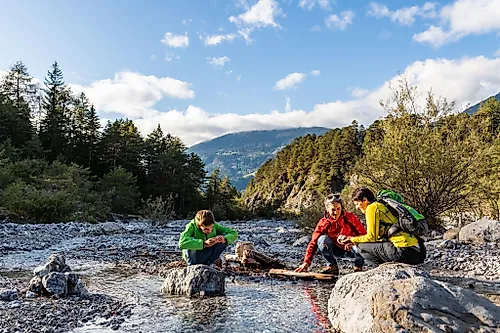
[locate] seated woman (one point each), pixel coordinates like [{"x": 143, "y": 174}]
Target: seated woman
[
  {"x": 375, "y": 246},
  {"x": 336, "y": 222}
]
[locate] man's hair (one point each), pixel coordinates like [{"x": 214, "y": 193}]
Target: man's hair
[
  {"x": 205, "y": 217},
  {"x": 362, "y": 193}
]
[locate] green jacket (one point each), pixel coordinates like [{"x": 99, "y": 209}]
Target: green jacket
[{"x": 192, "y": 237}]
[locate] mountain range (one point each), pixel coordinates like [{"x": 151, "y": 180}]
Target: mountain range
[
  {"x": 239, "y": 155},
  {"x": 473, "y": 109}
]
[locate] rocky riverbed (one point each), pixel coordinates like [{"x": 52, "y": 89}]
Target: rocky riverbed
[{"x": 119, "y": 264}]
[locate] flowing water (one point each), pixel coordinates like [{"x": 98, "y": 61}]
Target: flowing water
[{"x": 250, "y": 305}]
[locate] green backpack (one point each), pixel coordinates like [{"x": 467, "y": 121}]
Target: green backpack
[{"x": 409, "y": 220}]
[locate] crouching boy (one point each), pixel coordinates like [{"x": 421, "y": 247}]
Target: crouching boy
[{"x": 204, "y": 240}]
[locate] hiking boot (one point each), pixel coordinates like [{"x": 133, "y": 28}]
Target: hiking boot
[
  {"x": 218, "y": 263},
  {"x": 333, "y": 270}
]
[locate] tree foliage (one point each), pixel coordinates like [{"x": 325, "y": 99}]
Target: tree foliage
[{"x": 99, "y": 171}]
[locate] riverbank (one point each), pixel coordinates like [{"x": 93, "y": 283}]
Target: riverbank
[{"x": 120, "y": 261}]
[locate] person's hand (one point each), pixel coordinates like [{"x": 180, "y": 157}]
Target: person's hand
[
  {"x": 349, "y": 246},
  {"x": 302, "y": 268},
  {"x": 210, "y": 242},
  {"x": 220, "y": 239},
  {"x": 343, "y": 239}
]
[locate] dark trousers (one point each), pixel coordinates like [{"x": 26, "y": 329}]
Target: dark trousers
[
  {"x": 206, "y": 256},
  {"x": 329, "y": 251},
  {"x": 381, "y": 252}
]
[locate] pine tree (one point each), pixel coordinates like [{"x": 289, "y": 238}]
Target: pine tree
[
  {"x": 56, "y": 103},
  {"x": 92, "y": 128},
  {"x": 17, "y": 86},
  {"x": 78, "y": 151},
  {"x": 122, "y": 145}
]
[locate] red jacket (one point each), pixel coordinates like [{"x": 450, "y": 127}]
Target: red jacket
[{"x": 347, "y": 224}]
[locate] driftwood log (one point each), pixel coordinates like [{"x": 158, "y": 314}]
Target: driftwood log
[
  {"x": 302, "y": 275},
  {"x": 247, "y": 256}
]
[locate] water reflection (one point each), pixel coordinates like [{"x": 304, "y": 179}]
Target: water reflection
[
  {"x": 318, "y": 297},
  {"x": 263, "y": 306}
]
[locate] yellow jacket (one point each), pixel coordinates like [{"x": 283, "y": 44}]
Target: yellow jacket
[{"x": 378, "y": 220}]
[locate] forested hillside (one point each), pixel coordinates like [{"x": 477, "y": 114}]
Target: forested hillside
[{"x": 442, "y": 161}]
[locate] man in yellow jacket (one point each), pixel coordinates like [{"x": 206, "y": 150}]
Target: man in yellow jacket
[{"x": 375, "y": 246}]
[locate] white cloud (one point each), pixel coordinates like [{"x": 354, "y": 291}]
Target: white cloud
[
  {"x": 309, "y": 4},
  {"x": 340, "y": 22},
  {"x": 169, "y": 56},
  {"x": 218, "y": 62},
  {"x": 238, "y": 78},
  {"x": 153, "y": 57},
  {"x": 404, "y": 16},
  {"x": 288, "y": 104},
  {"x": 133, "y": 94},
  {"x": 316, "y": 28},
  {"x": 261, "y": 15},
  {"x": 358, "y": 92},
  {"x": 217, "y": 39},
  {"x": 187, "y": 22},
  {"x": 315, "y": 72},
  {"x": 176, "y": 41},
  {"x": 497, "y": 53},
  {"x": 290, "y": 81},
  {"x": 466, "y": 80},
  {"x": 460, "y": 19}
]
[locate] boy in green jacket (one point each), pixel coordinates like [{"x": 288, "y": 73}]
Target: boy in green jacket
[{"x": 204, "y": 240}]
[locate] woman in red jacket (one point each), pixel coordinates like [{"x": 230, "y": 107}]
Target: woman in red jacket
[{"x": 336, "y": 222}]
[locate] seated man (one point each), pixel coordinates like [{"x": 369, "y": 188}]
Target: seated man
[
  {"x": 204, "y": 240},
  {"x": 336, "y": 222},
  {"x": 375, "y": 246}
]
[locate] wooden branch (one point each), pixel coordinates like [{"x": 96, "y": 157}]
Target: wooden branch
[{"x": 301, "y": 275}]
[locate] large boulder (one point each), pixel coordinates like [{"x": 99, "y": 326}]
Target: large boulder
[
  {"x": 56, "y": 284},
  {"x": 35, "y": 285},
  {"x": 402, "y": 298},
  {"x": 56, "y": 279},
  {"x": 196, "y": 280},
  {"x": 451, "y": 234},
  {"x": 349, "y": 306},
  {"x": 480, "y": 232},
  {"x": 425, "y": 305},
  {"x": 75, "y": 285},
  {"x": 56, "y": 263}
]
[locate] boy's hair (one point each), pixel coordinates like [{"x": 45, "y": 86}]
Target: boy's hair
[
  {"x": 205, "y": 217},
  {"x": 362, "y": 193}
]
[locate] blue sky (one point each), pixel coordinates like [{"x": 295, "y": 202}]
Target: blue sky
[{"x": 205, "y": 68}]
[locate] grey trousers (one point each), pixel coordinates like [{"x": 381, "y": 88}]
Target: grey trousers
[{"x": 381, "y": 252}]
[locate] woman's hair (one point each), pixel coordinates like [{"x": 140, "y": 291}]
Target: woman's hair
[
  {"x": 205, "y": 218},
  {"x": 362, "y": 193},
  {"x": 331, "y": 198}
]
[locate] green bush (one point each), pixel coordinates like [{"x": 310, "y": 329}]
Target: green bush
[
  {"x": 35, "y": 191},
  {"x": 160, "y": 210},
  {"x": 120, "y": 187},
  {"x": 38, "y": 205}
]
